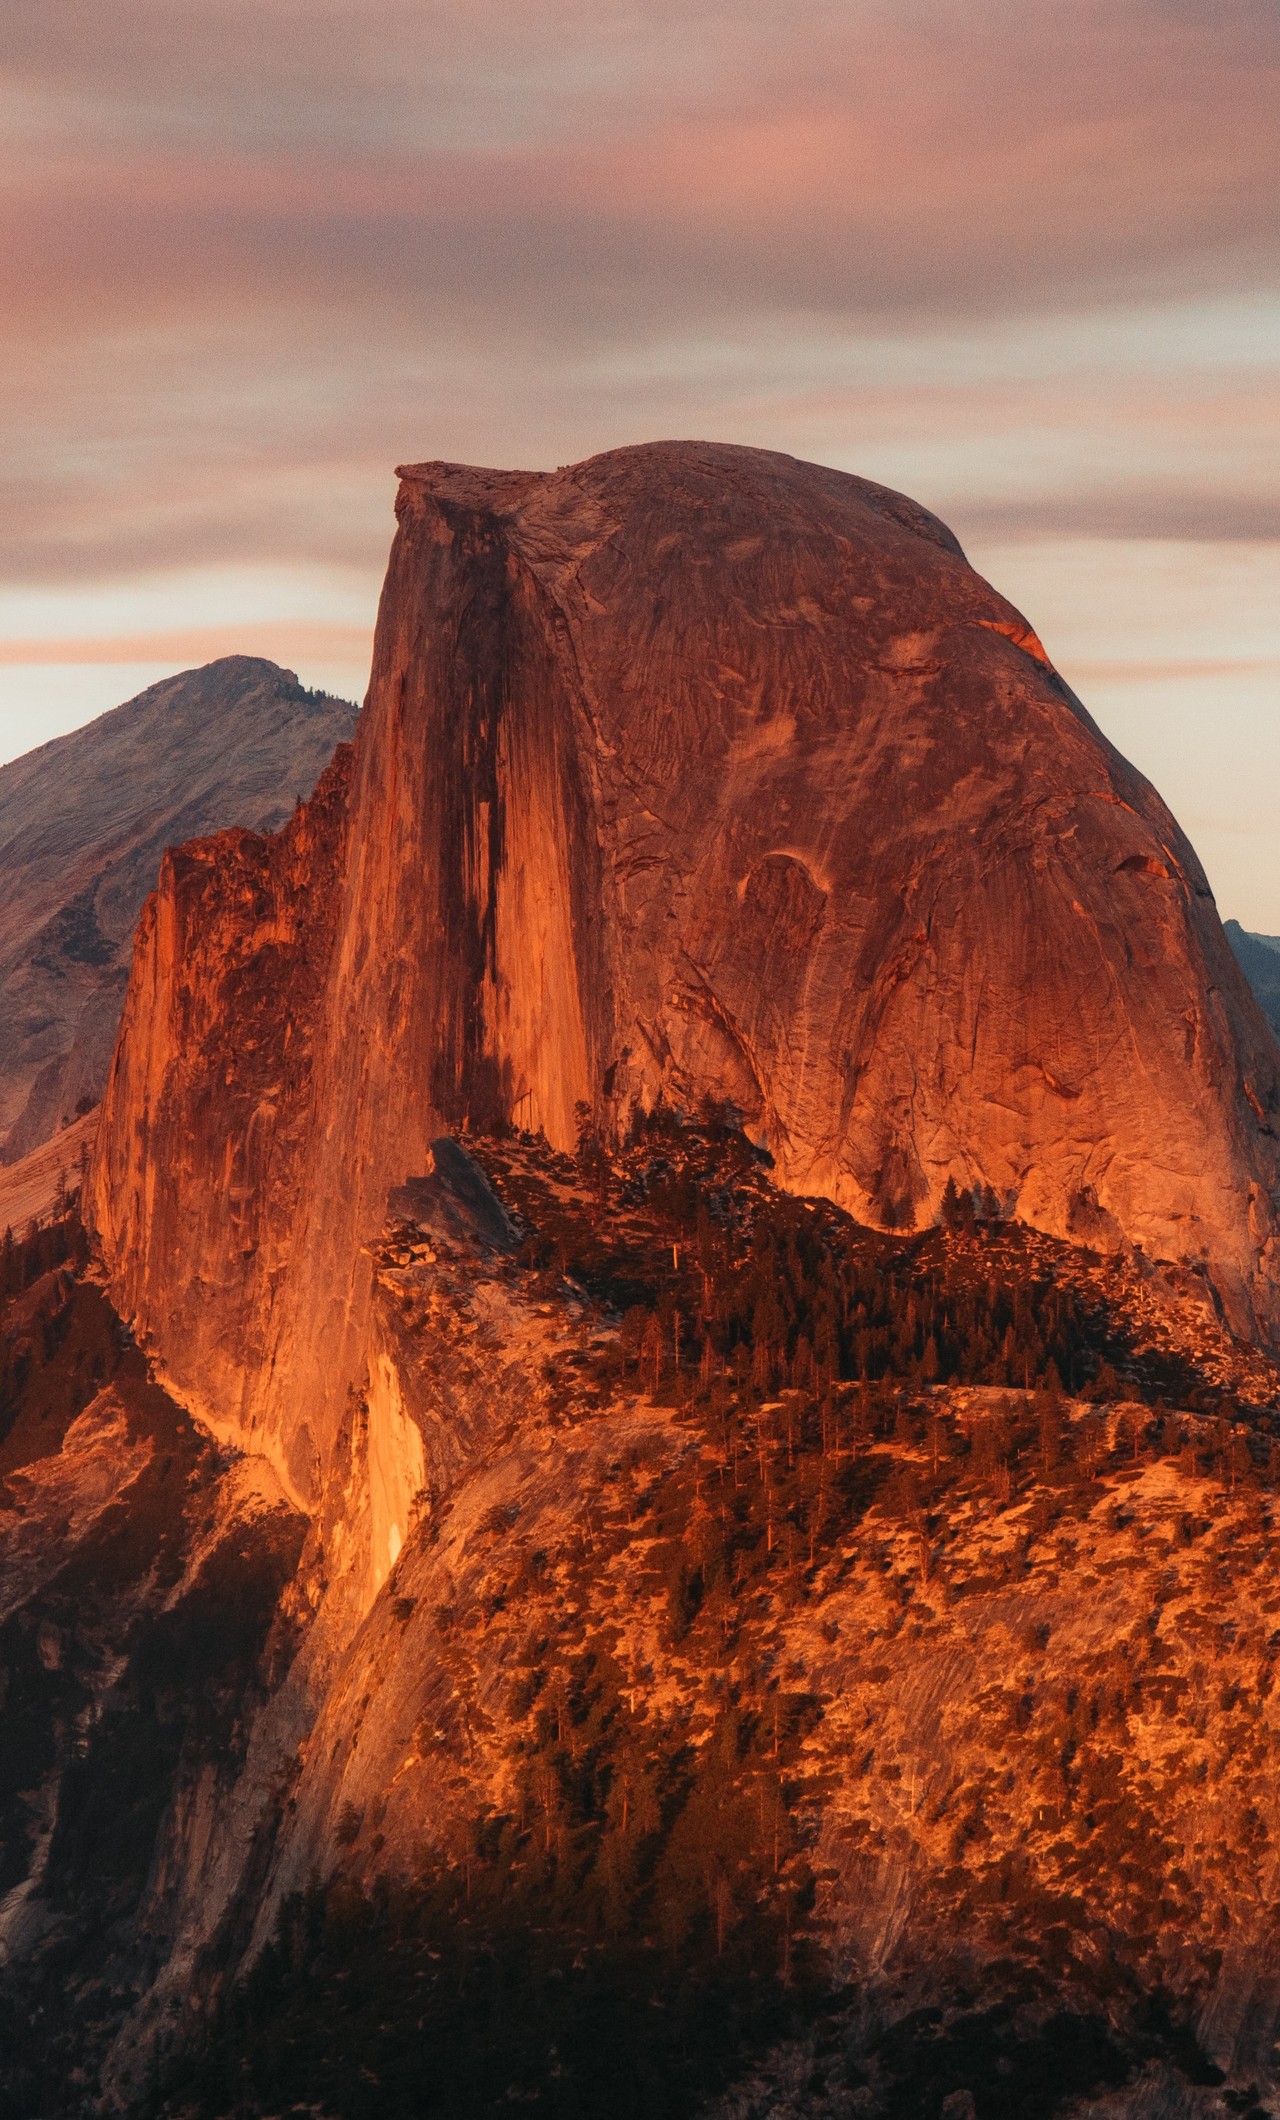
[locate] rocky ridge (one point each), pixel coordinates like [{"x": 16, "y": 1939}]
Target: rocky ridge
[
  {"x": 139, "y": 1573},
  {"x": 947, "y": 1693},
  {"x": 694, "y": 770},
  {"x": 84, "y": 821},
  {"x": 1259, "y": 959},
  {"x": 722, "y": 1170},
  {"x": 38, "y": 1186},
  {"x": 915, "y": 1728}
]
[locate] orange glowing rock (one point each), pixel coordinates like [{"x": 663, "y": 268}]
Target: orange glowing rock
[{"x": 688, "y": 769}]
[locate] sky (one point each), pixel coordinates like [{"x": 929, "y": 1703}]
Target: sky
[{"x": 1019, "y": 260}]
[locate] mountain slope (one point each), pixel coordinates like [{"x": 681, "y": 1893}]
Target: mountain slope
[
  {"x": 83, "y": 823},
  {"x": 726, "y": 1665},
  {"x": 1259, "y": 959},
  {"x": 883, "y": 1741},
  {"x": 40, "y": 1183},
  {"x": 689, "y": 769},
  {"x": 739, "y": 1649}
]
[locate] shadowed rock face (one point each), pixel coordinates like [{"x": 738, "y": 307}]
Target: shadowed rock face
[
  {"x": 1259, "y": 959},
  {"x": 690, "y": 769},
  {"x": 83, "y": 823}
]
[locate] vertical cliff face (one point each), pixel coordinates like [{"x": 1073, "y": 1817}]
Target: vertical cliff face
[
  {"x": 209, "y": 1112},
  {"x": 689, "y": 769},
  {"x": 84, "y": 821}
]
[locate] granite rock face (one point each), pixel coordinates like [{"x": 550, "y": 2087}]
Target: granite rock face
[
  {"x": 83, "y": 823},
  {"x": 688, "y": 770},
  {"x": 211, "y": 1108},
  {"x": 623, "y": 1665}
]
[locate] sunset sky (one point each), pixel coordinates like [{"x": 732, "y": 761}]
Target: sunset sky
[{"x": 1017, "y": 259}]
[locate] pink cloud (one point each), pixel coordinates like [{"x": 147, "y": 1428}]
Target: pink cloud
[
  {"x": 287, "y": 641},
  {"x": 257, "y": 252}
]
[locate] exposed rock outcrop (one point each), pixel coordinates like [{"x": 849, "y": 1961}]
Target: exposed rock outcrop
[
  {"x": 950, "y": 1712},
  {"x": 214, "y": 1112},
  {"x": 140, "y": 1574},
  {"x": 689, "y": 769},
  {"x": 84, "y": 821}
]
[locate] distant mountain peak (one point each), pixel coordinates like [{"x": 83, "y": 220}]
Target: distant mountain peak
[
  {"x": 1259, "y": 959},
  {"x": 84, "y": 821}
]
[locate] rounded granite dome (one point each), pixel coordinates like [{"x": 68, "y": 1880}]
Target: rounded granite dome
[{"x": 693, "y": 770}]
